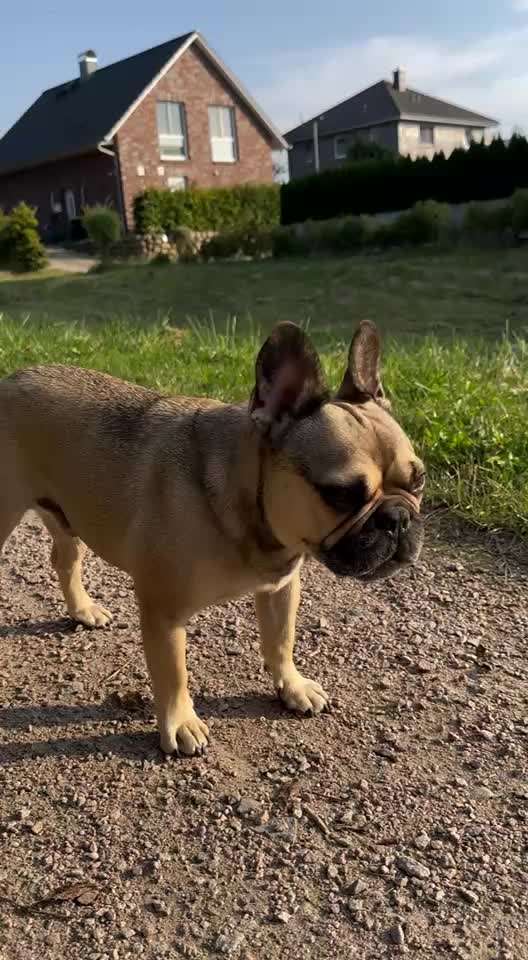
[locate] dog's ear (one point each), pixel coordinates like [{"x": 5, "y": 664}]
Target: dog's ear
[
  {"x": 289, "y": 379},
  {"x": 362, "y": 381}
]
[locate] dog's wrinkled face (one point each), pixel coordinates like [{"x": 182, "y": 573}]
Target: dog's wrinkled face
[{"x": 330, "y": 458}]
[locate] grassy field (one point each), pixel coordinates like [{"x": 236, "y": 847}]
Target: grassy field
[
  {"x": 466, "y": 294},
  {"x": 464, "y": 404}
]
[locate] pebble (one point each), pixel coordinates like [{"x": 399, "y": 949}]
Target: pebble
[
  {"x": 249, "y": 808},
  {"x": 396, "y": 935},
  {"x": 229, "y": 942},
  {"x": 158, "y": 907},
  {"x": 412, "y": 868},
  {"x": 358, "y": 886},
  {"x": 484, "y": 793},
  {"x": 423, "y": 841},
  {"x": 468, "y": 895}
]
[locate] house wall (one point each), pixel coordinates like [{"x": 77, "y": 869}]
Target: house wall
[
  {"x": 194, "y": 82},
  {"x": 446, "y": 139},
  {"x": 301, "y": 155},
  {"x": 91, "y": 178}
]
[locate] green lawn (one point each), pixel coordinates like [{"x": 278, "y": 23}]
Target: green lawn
[
  {"x": 482, "y": 293},
  {"x": 456, "y": 357}
]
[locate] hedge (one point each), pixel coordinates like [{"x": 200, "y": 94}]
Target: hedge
[
  {"x": 215, "y": 209},
  {"x": 483, "y": 172}
]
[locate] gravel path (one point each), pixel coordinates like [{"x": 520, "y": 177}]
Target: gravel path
[{"x": 398, "y": 823}]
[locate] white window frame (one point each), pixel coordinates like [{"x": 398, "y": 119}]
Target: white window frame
[
  {"x": 425, "y": 142},
  {"x": 222, "y": 142},
  {"x": 166, "y": 140},
  {"x": 70, "y": 203},
  {"x": 337, "y": 154},
  {"x": 173, "y": 186}
]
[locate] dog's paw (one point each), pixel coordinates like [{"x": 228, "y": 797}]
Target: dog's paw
[
  {"x": 91, "y": 615},
  {"x": 187, "y": 734},
  {"x": 302, "y": 695}
]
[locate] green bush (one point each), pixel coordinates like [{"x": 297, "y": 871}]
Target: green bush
[
  {"x": 481, "y": 220},
  {"x": 219, "y": 208},
  {"x": 520, "y": 212},
  {"x": 103, "y": 226},
  {"x": 426, "y": 222},
  {"x": 391, "y": 184},
  {"x": 20, "y": 246},
  {"x": 248, "y": 242},
  {"x": 183, "y": 241}
]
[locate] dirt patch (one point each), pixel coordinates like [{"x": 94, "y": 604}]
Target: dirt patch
[{"x": 395, "y": 823}]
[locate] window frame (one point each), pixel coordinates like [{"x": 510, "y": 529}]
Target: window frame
[
  {"x": 430, "y": 127},
  {"x": 174, "y": 137},
  {"x": 233, "y": 139},
  {"x": 182, "y": 178},
  {"x": 337, "y": 155}
]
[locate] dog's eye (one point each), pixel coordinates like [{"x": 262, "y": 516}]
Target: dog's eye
[{"x": 344, "y": 498}]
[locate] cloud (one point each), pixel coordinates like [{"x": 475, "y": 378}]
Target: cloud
[
  {"x": 520, "y": 6},
  {"x": 489, "y": 76}
]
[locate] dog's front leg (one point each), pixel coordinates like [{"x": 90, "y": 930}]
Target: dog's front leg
[
  {"x": 180, "y": 729},
  {"x": 276, "y": 613}
]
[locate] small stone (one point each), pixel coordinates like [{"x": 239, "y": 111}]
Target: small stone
[
  {"x": 283, "y": 916},
  {"x": 396, "y": 935},
  {"x": 423, "y": 666},
  {"x": 158, "y": 907},
  {"x": 468, "y": 895},
  {"x": 460, "y": 782},
  {"x": 412, "y": 868},
  {"x": 37, "y": 827},
  {"x": 228, "y": 943},
  {"x": 423, "y": 841},
  {"x": 357, "y": 887},
  {"x": 249, "y": 808},
  {"x": 363, "y": 785},
  {"x": 24, "y": 813},
  {"x": 234, "y": 649},
  {"x": 484, "y": 793},
  {"x": 332, "y": 871}
]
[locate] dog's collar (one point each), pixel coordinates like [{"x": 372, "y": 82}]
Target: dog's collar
[{"x": 353, "y": 523}]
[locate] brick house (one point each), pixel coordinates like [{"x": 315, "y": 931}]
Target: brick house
[
  {"x": 169, "y": 117},
  {"x": 389, "y": 114}
]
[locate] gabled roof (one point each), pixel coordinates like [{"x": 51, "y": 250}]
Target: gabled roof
[
  {"x": 80, "y": 115},
  {"x": 383, "y": 103}
]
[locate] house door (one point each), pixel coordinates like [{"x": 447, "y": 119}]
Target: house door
[{"x": 70, "y": 205}]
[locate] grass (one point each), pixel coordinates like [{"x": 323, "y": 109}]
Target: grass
[
  {"x": 471, "y": 294},
  {"x": 463, "y": 402}
]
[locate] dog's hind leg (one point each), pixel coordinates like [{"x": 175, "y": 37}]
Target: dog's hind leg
[{"x": 66, "y": 557}]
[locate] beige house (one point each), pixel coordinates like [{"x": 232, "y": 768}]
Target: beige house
[{"x": 390, "y": 114}]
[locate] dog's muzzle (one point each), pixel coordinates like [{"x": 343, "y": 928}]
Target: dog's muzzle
[{"x": 368, "y": 550}]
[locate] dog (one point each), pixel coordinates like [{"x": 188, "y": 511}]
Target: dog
[{"x": 201, "y": 502}]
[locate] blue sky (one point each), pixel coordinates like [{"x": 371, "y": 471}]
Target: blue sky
[{"x": 296, "y": 57}]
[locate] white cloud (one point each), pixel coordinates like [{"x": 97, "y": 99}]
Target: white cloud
[
  {"x": 520, "y": 6},
  {"x": 489, "y": 76}
]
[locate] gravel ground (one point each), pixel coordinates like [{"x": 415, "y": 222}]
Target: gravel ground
[{"x": 395, "y": 824}]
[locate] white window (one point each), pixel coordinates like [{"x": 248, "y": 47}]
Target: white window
[
  {"x": 71, "y": 207},
  {"x": 340, "y": 148},
  {"x": 473, "y": 135},
  {"x": 223, "y": 134},
  {"x": 426, "y": 134},
  {"x": 176, "y": 183},
  {"x": 172, "y": 131}
]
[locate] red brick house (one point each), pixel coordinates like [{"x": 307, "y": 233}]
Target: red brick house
[{"x": 170, "y": 117}]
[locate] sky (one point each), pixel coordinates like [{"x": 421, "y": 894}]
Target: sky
[{"x": 297, "y": 57}]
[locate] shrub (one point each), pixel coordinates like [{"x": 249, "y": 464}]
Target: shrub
[
  {"x": 481, "y": 220},
  {"x": 103, "y": 226},
  {"x": 219, "y": 208},
  {"x": 519, "y": 220},
  {"x": 183, "y": 241},
  {"x": 20, "y": 245},
  {"x": 392, "y": 184},
  {"x": 247, "y": 242},
  {"x": 426, "y": 222}
]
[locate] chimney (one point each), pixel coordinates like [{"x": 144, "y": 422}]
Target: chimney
[
  {"x": 400, "y": 80},
  {"x": 87, "y": 64}
]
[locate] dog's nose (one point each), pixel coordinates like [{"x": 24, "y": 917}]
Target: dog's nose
[{"x": 394, "y": 518}]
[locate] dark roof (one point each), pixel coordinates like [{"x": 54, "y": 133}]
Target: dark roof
[
  {"x": 382, "y": 103},
  {"x": 75, "y": 116}
]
